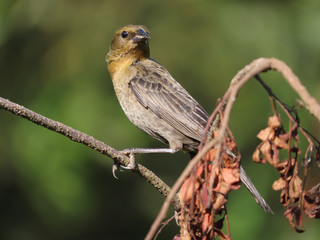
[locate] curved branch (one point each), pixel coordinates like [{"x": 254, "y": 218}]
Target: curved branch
[
  {"x": 89, "y": 141},
  {"x": 244, "y": 75},
  {"x": 264, "y": 64}
]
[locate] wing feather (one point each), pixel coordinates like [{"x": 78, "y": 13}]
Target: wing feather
[{"x": 156, "y": 89}]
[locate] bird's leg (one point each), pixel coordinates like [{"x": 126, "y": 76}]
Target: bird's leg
[
  {"x": 148, "y": 150},
  {"x": 131, "y": 152}
]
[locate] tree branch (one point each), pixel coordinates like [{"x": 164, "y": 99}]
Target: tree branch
[{"x": 89, "y": 141}]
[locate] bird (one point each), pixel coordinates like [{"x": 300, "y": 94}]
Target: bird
[{"x": 154, "y": 101}]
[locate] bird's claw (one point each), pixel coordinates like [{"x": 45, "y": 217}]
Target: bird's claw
[
  {"x": 132, "y": 162},
  {"x": 117, "y": 166}
]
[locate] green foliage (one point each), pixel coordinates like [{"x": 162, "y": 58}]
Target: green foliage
[{"x": 52, "y": 61}]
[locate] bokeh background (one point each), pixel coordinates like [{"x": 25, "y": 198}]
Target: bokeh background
[{"x": 52, "y": 60}]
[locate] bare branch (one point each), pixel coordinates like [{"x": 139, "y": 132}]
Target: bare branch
[
  {"x": 263, "y": 64},
  {"x": 89, "y": 141}
]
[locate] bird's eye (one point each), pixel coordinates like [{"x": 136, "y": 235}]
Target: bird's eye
[{"x": 124, "y": 34}]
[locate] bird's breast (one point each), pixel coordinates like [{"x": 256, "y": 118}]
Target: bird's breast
[{"x": 128, "y": 101}]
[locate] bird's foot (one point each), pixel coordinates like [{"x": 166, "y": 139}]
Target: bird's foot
[
  {"x": 117, "y": 166},
  {"x": 132, "y": 162}
]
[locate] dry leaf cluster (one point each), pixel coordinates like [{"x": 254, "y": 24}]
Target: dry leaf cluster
[
  {"x": 204, "y": 192},
  {"x": 274, "y": 138},
  {"x": 204, "y": 195}
]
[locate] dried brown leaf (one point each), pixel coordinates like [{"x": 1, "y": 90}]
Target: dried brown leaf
[
  {"x": 188, "y": 188},
  {"x": 281, "y": 166},
  {"x": 232, "y": 177},
  {"x": 204, "y": 196},
  {"x": 221, "y": 197},
  {"x": 275, "y": 156},
  {"x": 266, "y": 150},
  {"x": 274, "y": 122},
  {"x": 256, "y": 156},
  {"x": 266, "y": 134},
  {"x": 311, "y": 203},
  {"x": 217, "y": 181},
  {"x": 281, "y": 143},
  {"x": 279, "y": 184},
  {"x": 295, "y": 188},
  {"x": 200, "y": 170},
  {"x": 228, "y": 176},
  {"x": 206, "y": 223},
  {"x": 293, "y": 214},
  {"x": 211, "y": 155}
]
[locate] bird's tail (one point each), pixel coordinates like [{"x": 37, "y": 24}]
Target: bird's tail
[{"x": 259, "y": 199}]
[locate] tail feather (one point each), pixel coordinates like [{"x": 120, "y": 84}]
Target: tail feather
[{"x": 259, "y": 199}]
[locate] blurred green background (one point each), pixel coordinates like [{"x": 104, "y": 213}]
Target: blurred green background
[{"x": 52, "y": 60}]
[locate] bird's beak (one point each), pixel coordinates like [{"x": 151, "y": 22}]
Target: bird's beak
[{"x": 141, "y": 36}]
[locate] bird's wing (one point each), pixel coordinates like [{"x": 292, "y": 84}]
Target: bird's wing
[{"x": 156, "y": 89}]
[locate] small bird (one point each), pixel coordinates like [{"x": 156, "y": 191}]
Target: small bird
[{"x": 154, "y": 101}]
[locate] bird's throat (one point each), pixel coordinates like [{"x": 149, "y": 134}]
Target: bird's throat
[{"x": 121, "y": 62}]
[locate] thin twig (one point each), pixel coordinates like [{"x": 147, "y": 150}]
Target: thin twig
[
  {"x": 164, "y": 224},
  {"x": 284, "y": 108}
]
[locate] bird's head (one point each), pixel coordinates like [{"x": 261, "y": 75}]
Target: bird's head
[{"x": 130, "y": 41}]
